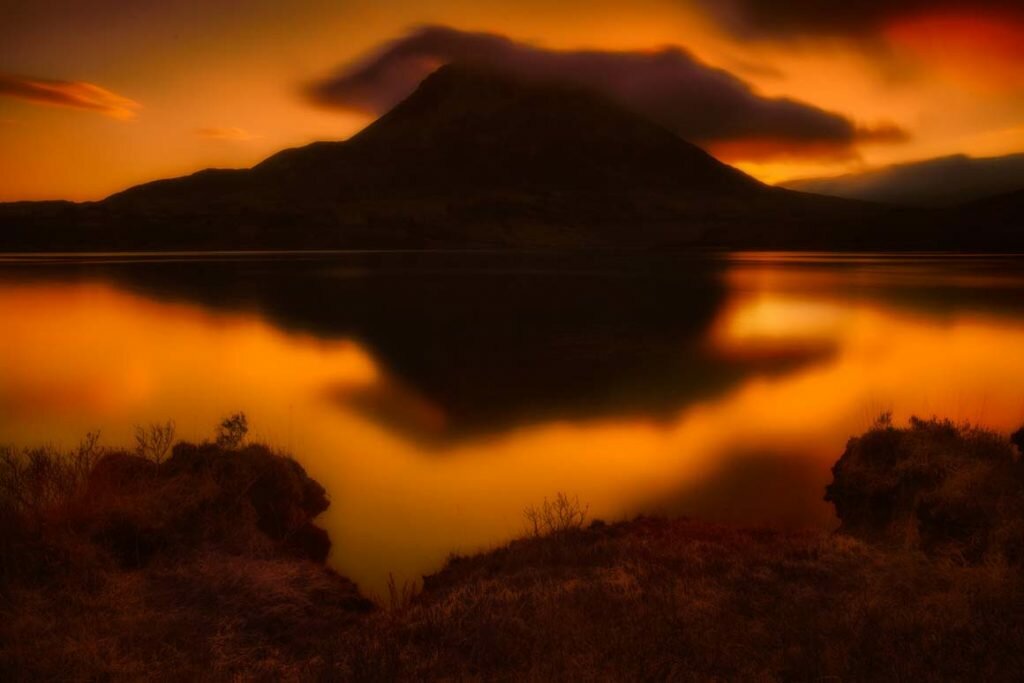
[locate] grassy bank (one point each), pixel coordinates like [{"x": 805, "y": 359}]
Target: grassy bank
[
  {"x": 207, "y": 565},
  {"x": 201, "y": 563},
  {"x": 653, "y": 600}
]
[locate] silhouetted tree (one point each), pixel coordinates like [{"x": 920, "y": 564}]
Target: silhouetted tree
[
  {"x": 232, "y": 431},
  {"x": 154, "y": 441}
]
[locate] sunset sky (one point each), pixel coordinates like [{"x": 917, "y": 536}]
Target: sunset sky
[{"x": 97, "y": 96}]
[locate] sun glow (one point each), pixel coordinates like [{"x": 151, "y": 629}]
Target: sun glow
[{"x": 239, "y": 79}]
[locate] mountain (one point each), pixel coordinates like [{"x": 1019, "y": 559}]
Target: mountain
[
  {"x": 998, "y": 222},
  {"x": 471, "y": 157},
  {"x": 942, "y": 182},
  {"x": 1003, "y": 209},
  {"x": 474, "y": 158}
]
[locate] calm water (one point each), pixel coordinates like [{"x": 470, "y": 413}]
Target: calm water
[{"x": 436, "y": 396}]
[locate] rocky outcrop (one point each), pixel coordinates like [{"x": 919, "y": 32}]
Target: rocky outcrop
[
  {"x": 949, "y": 490},
  {"x": 248, "y": 500}
]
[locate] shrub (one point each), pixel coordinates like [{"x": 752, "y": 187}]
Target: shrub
[
  {"x": 154, "y": 441},
  {"x": 204, "y": 565},
  {"x": 37, "y": 482},
  {"x": 130, "y": 507},
  {"x": 232, "y": 431},
  {"x": 242, "y": 500},
  {"x": 952, "y": 490},
  {"x": 556, "y": 516}
]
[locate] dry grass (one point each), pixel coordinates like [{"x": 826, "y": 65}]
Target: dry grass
[
  {"x": 224, "y": 594},
  {"x": 660, "y": 600},
  {"x": 212, "y": 616},
  {"x": 204, "y": 565},
  {"x": 556, "y": 516}
]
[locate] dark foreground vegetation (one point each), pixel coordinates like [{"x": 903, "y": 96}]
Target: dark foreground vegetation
[
  {"x": 202, "y": 564},
  {"x": 205, "y": 564}
]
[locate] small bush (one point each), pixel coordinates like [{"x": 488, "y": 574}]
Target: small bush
[
  {"x": 153, "y": 442},
  {"x": 232, "y": 431},
  {"x": 37, "y": 482},
  {"x": 556, "y": 516},
  {"x": 400, "y": 597}
]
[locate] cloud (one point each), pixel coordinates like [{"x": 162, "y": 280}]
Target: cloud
[
  {"x": 848, "y": 18},
  {"x": 982, "y": 51},
  {"x": 226, "y": 133},
  {"x": 74, "y": 94},
  {"x": 703, "y": 104}
]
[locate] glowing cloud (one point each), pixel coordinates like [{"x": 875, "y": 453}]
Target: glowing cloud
[
  {"x": 229, "y": 134},
  {"x": 703, "y": 104},
  {"x": 851, "y": 18},
  {"x": 980, "y": 49},
  {"x": 73, "y": 94}
]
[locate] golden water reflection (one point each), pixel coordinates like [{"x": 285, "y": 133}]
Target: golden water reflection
[{"x": 80, "y": 356}]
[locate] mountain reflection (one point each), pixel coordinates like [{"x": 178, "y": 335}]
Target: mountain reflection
[
  {"x": 435, "y": 403},
  {"x": 486, "y": 341}
]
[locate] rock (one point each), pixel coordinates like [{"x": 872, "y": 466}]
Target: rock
[
  {"x": 948, "y": 490},
  {"x": 238, "y": 500}
]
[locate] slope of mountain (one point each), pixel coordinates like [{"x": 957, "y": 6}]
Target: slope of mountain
[
  {"x": 942, "y": 182},
  {"x": 997, "y": 221},
  {"x": 474, "y": 158},
  {"x": 1008, "y": 206},
  {"x": 468, "y": 148}
]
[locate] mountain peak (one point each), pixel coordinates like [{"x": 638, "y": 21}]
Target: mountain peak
[
  {"x": 480, "y": 82},
  {"x": 501, "y": 127},
  {"x": 455, "y": 76}
]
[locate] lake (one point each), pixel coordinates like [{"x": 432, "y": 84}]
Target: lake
[{"x": 437, "y": 395}]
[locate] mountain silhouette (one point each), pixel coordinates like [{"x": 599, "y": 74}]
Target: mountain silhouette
[
  {"x": 470, "y": 157},
  {"x": 999, "y": 221},
  {"x": 476, "y": 158},
  {"x": 468, "y": 128},
  {"x": 942, "y": 182}
]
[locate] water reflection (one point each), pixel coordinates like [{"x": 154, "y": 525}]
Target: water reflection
[
  {"x": 436, "y": 401},
  {"x": 483, "y": 342}
]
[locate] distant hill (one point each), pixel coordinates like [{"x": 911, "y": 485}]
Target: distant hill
[
  {"x": 942, "y": 182},
  {"x": 474, "y": 158},
  {"x": 999, "y": 222},
  {"x": 1007, "y": 207}
]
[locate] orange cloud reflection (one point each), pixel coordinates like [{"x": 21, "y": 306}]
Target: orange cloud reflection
[{"x": 75, "y": 357}]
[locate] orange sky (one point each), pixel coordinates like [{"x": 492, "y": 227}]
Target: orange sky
[{"x": 95, "y": 97}]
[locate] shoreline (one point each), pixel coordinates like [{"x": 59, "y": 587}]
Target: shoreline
[{"x": 205, "y": 562}]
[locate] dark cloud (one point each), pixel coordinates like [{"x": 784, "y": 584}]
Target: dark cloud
[
  {"x": 849, "y": 18},
  {"x": 74, "y": 94},
  {"x": 703, "y": 104}
]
